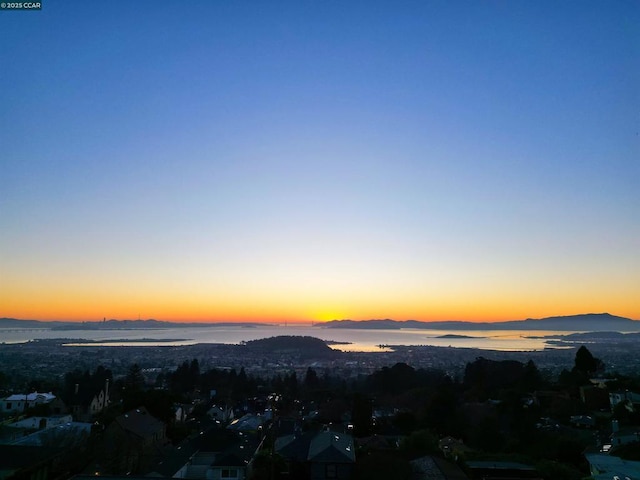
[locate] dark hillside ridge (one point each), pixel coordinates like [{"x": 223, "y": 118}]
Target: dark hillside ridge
[
  {"x": 590, "y": 322},
  {"x": 305, "y": 346},
  {"x": 16, "y": 323}
]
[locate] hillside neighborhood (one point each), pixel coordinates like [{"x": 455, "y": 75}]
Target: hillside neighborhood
[{"x": 498, "y": 419}]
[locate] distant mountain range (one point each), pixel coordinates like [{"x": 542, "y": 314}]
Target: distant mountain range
[
  {"x": 590, "y": 322},
  {"x": 114, "y": 324}
]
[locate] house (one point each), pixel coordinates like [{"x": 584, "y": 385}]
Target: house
[
  {"x": 624, "y": 436},
  {"x": 434, "y": 468},
  {"x": 57, "y": 407},
  {"x": 594, "y": 398},
  {"x": 549, "y": 398},
  {"x": 630, "y": 398},
  {"x": 378, "y": 443},
  {"x": 230, "y": 465},
  {"x": 39, "y": 423},
  {"x": 88, "y": 401},
  {"x": 318, "y": 455},
  {"x": 182, "y": 411},
  {"x": 21, "y": 402},
  {"x": 489, "y": 470},
  {"x": 69, "y": 435},
  {"x": 582, "y": 421},
  {"x": 609, "y": 467},
  {"x": 133, "y": 442},
  {"x": 217, "y": 453},
  {"x": 453, "y": 447},
  {"x": 331, "y": 455},
  {"x": 196, "y": 466},
  {"x": 222, "y": 414},
  {"x": 247, "y": 423}
]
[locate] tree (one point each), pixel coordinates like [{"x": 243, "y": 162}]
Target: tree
[
  {"x": 242, "y": 381},
  {"x": 159, "y": 403},
  {"x": 585, "y": 362},
  {"x": 441, "y": 412},
  {"x": 268, "y": 466},
  {"x": 134, "y": 381},
  {"x": 311, "y": 378},
  {"x": 420, "y": 443},
  {"x": 186, "y": 377},
  {"x": 362, "y": 415},
  {"x": 291, "y": 383},
  {"x": 531, "y": 379},
  {"x": 399, "y": 378}
]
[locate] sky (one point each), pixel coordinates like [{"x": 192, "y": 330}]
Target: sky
[{"x": 313, "y": 160}]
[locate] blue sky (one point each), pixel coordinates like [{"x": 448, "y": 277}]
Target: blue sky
[{"x": 315, "y": 160}]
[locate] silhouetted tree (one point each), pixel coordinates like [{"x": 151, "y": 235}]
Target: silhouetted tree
[
  {"x": 242, "y": 384},
  {"x": 399, "y": 378},
  {"x": 186, "y": 377},
  {"x": 585, "y": 362},
  {"x": 531, "y": 378},
  {"x": 159, "y": 403},
  {"x": 488, "y": 378},
  {"x": 442, "y": 409},
  {"x": 420, "y": 443},
  {"x": 291, "y": 383},
  {"x": 405, "y": 421},
  {"x": 311, "y": 378},
  {"x": 134, "y": 381},
  {"x": 361, "y": 415}
]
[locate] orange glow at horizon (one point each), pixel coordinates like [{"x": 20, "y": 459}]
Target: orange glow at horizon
[
  {"x": 59, "y": 311},
  {"x": 84, "y": 298}
]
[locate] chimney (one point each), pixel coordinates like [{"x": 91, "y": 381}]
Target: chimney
[{"x": 614, "y": 426}]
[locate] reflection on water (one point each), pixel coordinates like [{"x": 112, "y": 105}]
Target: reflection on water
[
  {"x": 362, "y": 340},
  {"x": 148, "y": 343},
  {"x": 361, "y": 347}
]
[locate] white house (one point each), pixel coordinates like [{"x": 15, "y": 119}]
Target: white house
[
  {"x": 36, "y": 423},
  {"x": 19, "y": 402}
]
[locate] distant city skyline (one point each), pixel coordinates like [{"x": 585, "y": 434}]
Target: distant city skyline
[{"x": 310, "y": 161}]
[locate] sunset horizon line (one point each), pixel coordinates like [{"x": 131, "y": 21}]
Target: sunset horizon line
[{"x": 286, "y": 321}]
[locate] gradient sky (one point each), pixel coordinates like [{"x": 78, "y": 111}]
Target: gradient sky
[{"x": 311, "y": 160}]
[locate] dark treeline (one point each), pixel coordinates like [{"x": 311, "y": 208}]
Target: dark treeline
[{"x": 506, "y": 409}]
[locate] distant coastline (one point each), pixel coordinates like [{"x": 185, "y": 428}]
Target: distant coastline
[
  {"x": 589, "y": 322},
  {"x": 119, "y": 324},
  {"x": 453, "y": 335}
]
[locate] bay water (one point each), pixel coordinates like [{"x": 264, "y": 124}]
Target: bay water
[{"x": 346, "y": 339}]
